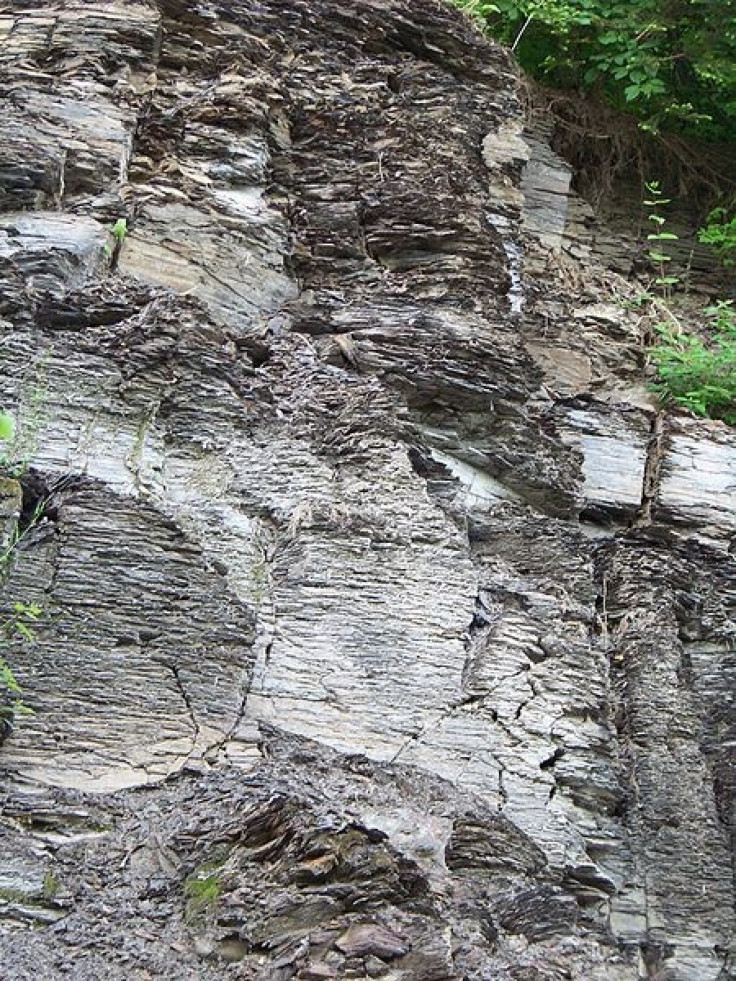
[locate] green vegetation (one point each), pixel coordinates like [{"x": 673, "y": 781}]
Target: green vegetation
[
  {"x": 720, "y": 233},
  {"x": 20, "y": 624},
  {"x": 695, "y": 372},
  {"x": 7, "y": 427},
  {"x": 24, "y": 615},
  {"x": 658, "y": 238},
  {"x": 700, "y": 374},
  {"x": 50, "y": 885},
  {"x": 118, "y": 232},
  {"x": 202, "y": 890},
  {"x": 20, "y": 434},
  {"x": 17, "y": 535},
  {"x": 672, "y": 63},
  {"x": 18, "y": 443}
]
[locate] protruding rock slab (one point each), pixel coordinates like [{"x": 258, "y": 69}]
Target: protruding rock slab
[{"x": 698, "y": 478}]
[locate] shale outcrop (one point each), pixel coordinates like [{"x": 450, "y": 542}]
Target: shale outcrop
[{"x": 388, "y": 623}]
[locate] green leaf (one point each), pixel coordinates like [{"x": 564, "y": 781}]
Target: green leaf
[
  {"x": 8, "y": 678},
  {"x": 7, "y": 426},
  {"x": 119, "y": 230}
]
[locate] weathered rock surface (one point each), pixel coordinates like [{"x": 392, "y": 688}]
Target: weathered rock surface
[{"x": 388, "y": 626}]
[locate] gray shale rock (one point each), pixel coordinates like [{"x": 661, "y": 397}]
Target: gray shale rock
[{"x": 388, "y": 628}]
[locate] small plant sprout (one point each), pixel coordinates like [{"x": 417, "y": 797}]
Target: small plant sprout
[
  {"x": 658, "y": 237},
  {"x": 118, "y": 231}
]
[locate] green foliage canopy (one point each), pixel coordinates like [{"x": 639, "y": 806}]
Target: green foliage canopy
[{"x": 670, "y": 62}]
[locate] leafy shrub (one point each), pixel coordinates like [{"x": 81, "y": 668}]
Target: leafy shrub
[
  {"x": 700, "y": 375},
  {"x": 720, "y": 232}
]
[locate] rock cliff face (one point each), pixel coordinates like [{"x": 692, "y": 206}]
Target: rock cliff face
[{"x": 388, "y": 628}]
